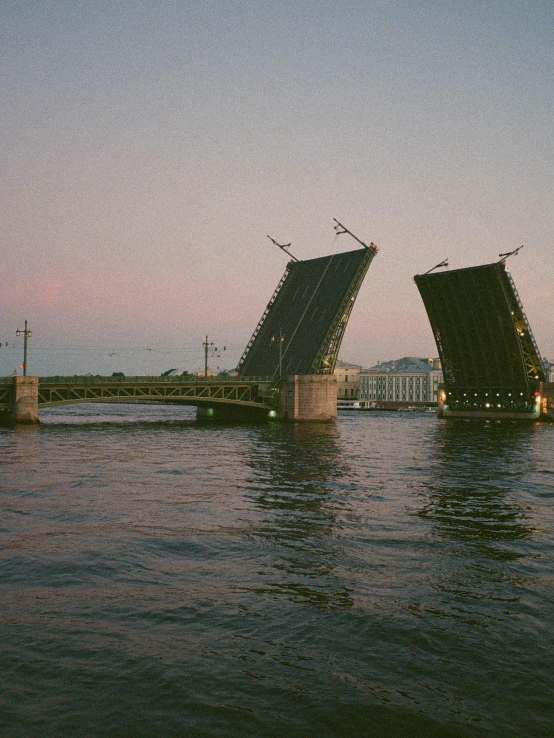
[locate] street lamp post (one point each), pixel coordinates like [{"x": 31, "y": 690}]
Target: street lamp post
[
  {"x": 26, "y": 334},
  {"x": 215, "y": 352},
  {"x": 207, "y": 346}
]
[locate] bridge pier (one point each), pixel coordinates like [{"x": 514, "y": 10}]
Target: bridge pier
[
  {"x": 24, "y": 402},
  {"x": 547, "y": 401},
  {"x": 308, "y": 397}
]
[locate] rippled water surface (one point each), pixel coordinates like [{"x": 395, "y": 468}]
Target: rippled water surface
[{"x": 387, "y": 575}]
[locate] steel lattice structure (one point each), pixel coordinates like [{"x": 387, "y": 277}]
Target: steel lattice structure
[
  {"x": 489, "y": 356},
  {"x": 303, "y": 324},
  {"x": 136, "y": 389}
]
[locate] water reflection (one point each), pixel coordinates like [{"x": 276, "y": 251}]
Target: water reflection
[
  {"x": 477, "y": 471},
  {"x": 298, "y": 475},
  {"x": 476, "y": 498}
]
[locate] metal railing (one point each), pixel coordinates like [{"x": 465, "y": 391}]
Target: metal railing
[{"x": 146, "y": 379}]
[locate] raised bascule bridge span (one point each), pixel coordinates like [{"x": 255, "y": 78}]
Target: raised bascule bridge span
[
  {"x": 285, "y": 372},
  {"x": 298, "y": 337},
  {"x": 490, "y": 360}
]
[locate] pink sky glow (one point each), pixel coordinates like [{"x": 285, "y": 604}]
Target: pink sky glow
[{"x": 149, "y": 148}]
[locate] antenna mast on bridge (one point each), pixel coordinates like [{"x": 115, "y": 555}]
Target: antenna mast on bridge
[
  {"x": 284, "y": 247},
  {"x": 510, "y": 253},
  {"x": 345, "y": 230}
]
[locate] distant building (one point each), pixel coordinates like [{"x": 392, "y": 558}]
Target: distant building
[
  {"x": 407, "y": 381},
  {"x": 347, "y": 380}
]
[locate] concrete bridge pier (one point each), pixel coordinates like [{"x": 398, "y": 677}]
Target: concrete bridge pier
[
  {"x": 308, "y": 398},
  {"x": 24, "y": 402}
]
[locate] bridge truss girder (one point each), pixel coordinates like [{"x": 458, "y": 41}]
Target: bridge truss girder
[
  {"x": 244, "y": 393},
  {"x": 326, "y": 358}
]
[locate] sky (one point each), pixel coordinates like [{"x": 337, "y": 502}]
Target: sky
[{"x": 149, "y": 147}]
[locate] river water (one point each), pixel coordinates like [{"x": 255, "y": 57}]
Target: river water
[{"x": 387, "y": 575}]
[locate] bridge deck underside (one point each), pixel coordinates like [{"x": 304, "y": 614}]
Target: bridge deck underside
[
  {"x": 488, "y": 354},
  {"x": 309, "y": 311},
  {"x": 5, "y": 396}
]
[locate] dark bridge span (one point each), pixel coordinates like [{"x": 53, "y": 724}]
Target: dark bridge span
[
  {"x": 489, "y": 357},
  {"x": 303, "y": 324}
]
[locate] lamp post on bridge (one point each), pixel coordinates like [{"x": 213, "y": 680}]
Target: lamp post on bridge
[
  {"x": 207, "y": 346},
  {"x": 215, "y": 352},
  {"x": 26, "y": 334}
]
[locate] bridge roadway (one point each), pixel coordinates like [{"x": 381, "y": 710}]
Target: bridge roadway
[{"x": 256, "y": 395}]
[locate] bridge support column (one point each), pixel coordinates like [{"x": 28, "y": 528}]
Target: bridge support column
[
  {"x": 308, "y": 397},
  {"x": 547, "y": 401},
  {"x": 24, "y": 402}
]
